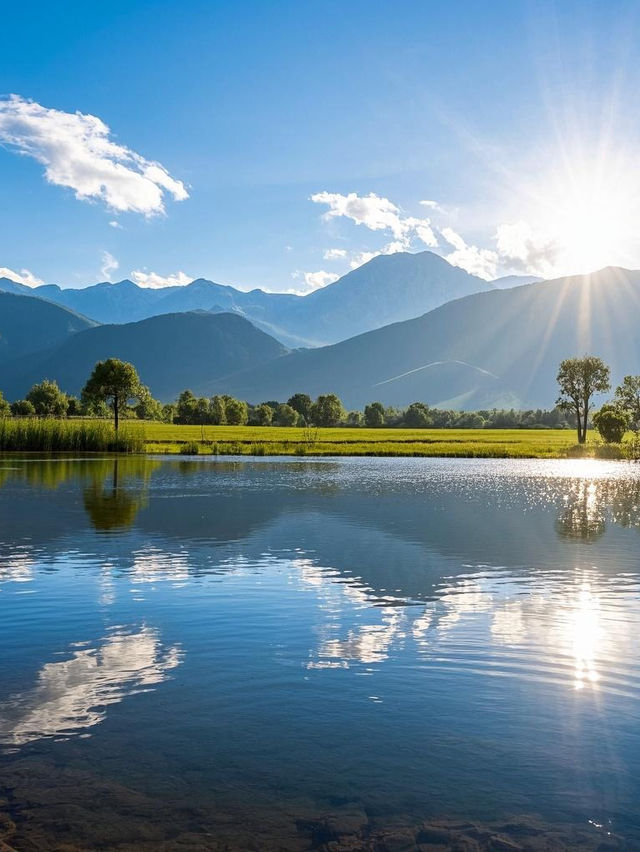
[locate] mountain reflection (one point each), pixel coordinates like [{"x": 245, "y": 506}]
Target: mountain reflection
[
  {"x": 73, "y": 695},
  {"x": 432, "y": 560},
  {"x": 550, "y": 629}
]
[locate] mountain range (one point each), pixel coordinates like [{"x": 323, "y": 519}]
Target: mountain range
[
  {"x": 387, "y": 289},
  {"x": 170, "y": 352},
  {"x": 498, "y": 347}
]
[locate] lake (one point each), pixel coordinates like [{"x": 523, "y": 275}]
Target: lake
[{"x": 280, "y": 654}]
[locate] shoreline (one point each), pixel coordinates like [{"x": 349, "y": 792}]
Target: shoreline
[{"x": 156, "y": 438}]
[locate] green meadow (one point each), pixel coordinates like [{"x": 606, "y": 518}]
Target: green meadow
[
  {"x": 277, "y": 440},
  {"x": 135, "y": 436}
]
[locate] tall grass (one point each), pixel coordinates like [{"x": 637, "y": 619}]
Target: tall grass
[{"x": 50, "y": 435}]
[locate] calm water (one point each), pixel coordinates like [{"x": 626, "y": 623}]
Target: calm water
[{"x": 276, "y": 654}]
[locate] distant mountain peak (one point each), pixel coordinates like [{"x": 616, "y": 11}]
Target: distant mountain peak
[{"x": 386, "y": 289}]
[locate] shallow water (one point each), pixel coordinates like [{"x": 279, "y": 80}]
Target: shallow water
[{"x": 282, "y": 654}]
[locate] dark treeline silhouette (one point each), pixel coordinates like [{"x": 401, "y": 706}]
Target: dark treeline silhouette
[
  {"x": 47, "y": 400},
  {"x": 115, "y": 390}
]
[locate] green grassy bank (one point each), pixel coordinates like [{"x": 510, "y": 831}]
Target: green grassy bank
[
  {"x": 51, "y": 435},
  {"x": 81, "y": 436},
  {"x": 463, "y": 443}
]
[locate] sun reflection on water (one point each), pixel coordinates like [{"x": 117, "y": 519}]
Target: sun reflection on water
[{"x": 584, "y": 632}]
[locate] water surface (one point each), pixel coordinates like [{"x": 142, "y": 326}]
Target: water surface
[{"x": 284, "y": 654}]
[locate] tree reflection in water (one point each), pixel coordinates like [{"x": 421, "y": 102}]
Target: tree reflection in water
[
  {"x": 112, "y": 505},
  {"x": 589, "y": 502}
]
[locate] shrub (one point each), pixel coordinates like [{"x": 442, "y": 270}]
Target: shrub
[
  {"x": 22, "y": 408},
  {"x": 47, "y": 399},
  {"x": 611, "y": 422},
  {"x": 191, "y": 448}
]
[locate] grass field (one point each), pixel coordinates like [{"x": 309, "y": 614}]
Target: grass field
[{"x": 274, "y": 440}]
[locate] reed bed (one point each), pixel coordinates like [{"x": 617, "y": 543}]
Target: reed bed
[{"x": 51, "y": 436}]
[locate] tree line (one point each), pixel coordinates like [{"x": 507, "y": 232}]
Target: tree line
[{"x": 115, "y": 389}]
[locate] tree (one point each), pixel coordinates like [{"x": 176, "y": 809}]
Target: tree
[
  {"x": 97, "y": 408},
  {"x": 327, "y": 410},
  {"x": 237, "y": 412},
  {"x": 5, "y": 408},
  {"x": 628, "y": 397},
  {"x": 147, "y": 408},
  {"x": 442, "y": 418},
  {"x": 218, "y": 410},
  {"x": 47, "y": 399},
  {"x": 469, "y": 420},
  {"x": 285, "y": 415},
  {"x": 186, "y": 407},
  {"x": 169, "y": 412},
  {"x": 417, "y": 416},
  {"x": 262, "y": 415},
  {"x": 301, "y": 402},
  {"x": 74, "y": 407},
  {"x": 202, "y": 411},
  {"x": 611, "y": 422},
  {"x": 374, "y": 415},
  {"x": 579, "y": 379},
  {"x": 354, "y": 418},
  {"x": 22, "y": 408},
  {"x": 115, "y": 382}
]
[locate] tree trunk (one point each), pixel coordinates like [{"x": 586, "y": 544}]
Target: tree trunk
[
  {"x": 584, "y": 423},
  {"x": 115, "y": 413},
  {"x": 579, "y": 425}
]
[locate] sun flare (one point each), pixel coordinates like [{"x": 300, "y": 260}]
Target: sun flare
[{"x": 588, "y": 211}]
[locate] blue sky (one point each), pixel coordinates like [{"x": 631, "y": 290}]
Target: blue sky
[{"x": 517, "y": 121}]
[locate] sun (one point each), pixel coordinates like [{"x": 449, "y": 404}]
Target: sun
[
  {"x": 592, "y": 220},
  {"x": 588, "y": 210}
]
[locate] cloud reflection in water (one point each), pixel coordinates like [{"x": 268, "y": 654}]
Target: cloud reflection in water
[{"x": 72, "y": 695}]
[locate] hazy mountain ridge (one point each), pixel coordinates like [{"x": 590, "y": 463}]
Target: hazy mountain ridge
[
  {"x": 171, "y": 352},
  {"x": 29, "y": 324},
  {"x": 489, "y": 349},
  {"x": 387, "y": 289},
  {"x": 497, "y": 348}
]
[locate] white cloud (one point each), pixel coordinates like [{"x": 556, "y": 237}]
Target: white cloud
[
  {"x": 77, "y": 153},
  {"x": 114, "y": 224},
  {"x": 361, "y": 257},
  {"x": 377, "y": 214},
  {"x": 335, "y": 254},
  {"x": 525, "y": 251},
  {"x": 109, "y": 265},
  {"x": 477, "y": 261},
  {"x": 155, "y": 281},
  {"x": 25, "y": 276},
  {"x": 373, "y": 212},
  {"x": 423, "y": 231},
  {"x": 516, "y": 247},
  {"x": 313, "y": 280},
  {"x": 454, "y": 239}
]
